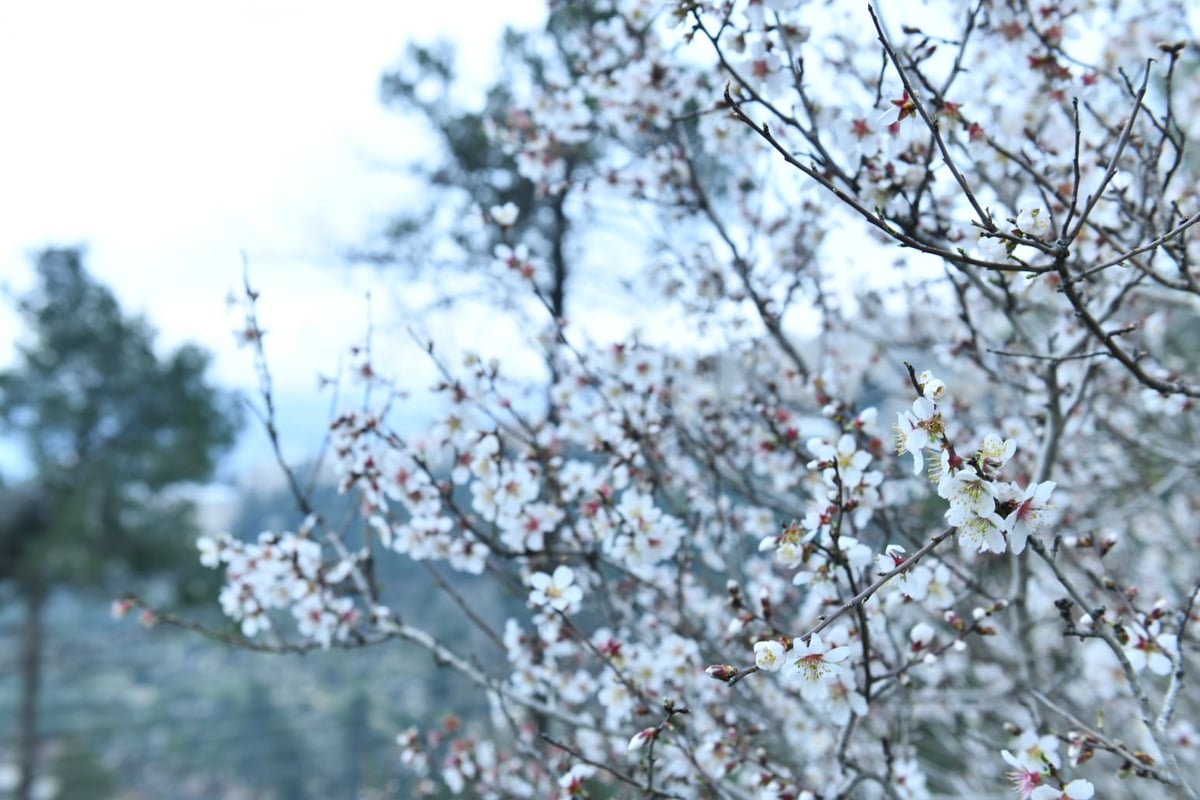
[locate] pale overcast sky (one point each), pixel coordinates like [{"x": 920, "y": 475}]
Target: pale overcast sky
[{"x": 171, "y": 137}]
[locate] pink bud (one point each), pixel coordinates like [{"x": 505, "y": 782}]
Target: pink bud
[
  {"x": 721, "y": 672},
  {"x": 642, "y": 738}
]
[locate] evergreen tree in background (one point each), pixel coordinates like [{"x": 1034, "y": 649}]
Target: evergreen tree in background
[{"x": 109, "y": 427}]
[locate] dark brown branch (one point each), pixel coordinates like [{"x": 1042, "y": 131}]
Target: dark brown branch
[{"x": 985, "y": 219}]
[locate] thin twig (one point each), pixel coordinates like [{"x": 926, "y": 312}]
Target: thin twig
[
  {"x": 1109, "y": 744},
  {"x": 1148, "y": 246},
  {"x": 985, "y": 219},
  {"x": 1104, "y": 633},
  {"x": 876, "y": 220},
  {"x": 1109, "y": 173},
  {"x": 862, "y": 596}
]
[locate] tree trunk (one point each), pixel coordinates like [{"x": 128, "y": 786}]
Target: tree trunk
[{"x": 34, "y": 593}]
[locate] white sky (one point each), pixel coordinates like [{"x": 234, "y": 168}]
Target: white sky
[{"x": 172, "y": 137}]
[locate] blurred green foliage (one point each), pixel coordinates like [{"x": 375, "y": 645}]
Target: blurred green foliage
[
  {"x": 111, "y": 430},
  {"x": 108, "y": 426}
]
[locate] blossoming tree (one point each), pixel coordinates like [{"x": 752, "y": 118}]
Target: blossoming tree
[{"x": 962, "y": 229}]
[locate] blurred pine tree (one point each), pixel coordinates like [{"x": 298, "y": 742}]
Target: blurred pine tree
[{"x": 109, "y": 428}]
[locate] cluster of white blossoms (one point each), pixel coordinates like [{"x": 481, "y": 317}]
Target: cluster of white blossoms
[
  {"x": 1035, "y": 770},
  {"x": 1032, "y": 223},
  {"x": 281, "y": 571},
  {"x": 841, "y": 486},
  {"x": 612, "y": 676},
  {"x": 990, "y": 515},
  {"x": 821, "y": 671},
  {"x": 665, "y": 507}
]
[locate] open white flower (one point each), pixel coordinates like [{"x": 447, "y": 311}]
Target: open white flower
[
  {"x": 816, "y": 663},
  {"x": 557, "y": 591},
  {"x": 1150, "y": 649},
  {"x": 1026, "y": 516}
]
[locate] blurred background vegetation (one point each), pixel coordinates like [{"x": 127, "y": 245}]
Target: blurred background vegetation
[{"x": 121, "y": 440}]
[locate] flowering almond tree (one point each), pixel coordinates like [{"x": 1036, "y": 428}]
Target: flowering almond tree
[{"x": 907, "y": 507}]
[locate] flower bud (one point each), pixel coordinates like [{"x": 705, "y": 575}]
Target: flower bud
[
  {"x": 642, "y": 738},
  {"x": 721, "y": 672}
]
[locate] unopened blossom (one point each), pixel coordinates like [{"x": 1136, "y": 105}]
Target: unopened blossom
[
  {"x": 921, "y": 635},
  {"x": 769, "y": 655},
  {"x": 721, "y": 672},
  {"x": 931, "y": 387},
  {"x": 995, "y": 452},
  {"x": 504, "y": 215},
  {"x": 254, "y": 623},
  {"x": 1033, "y": 222},
  {"x": 557, "y": 591},
  {"x": 642, "y": 738}
]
